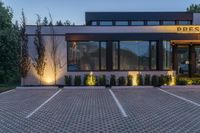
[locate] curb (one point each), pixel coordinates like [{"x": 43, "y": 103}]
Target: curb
[
  {"x": 132, "y": 87},
  {"x": 181, "y": 87},
  {"x": 42, "y": 87},
  {"x": 84, "y": 87}
]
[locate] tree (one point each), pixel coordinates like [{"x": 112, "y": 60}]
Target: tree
[
  {"x": 9, "y": 47},
  {"x": 25, "y": 62},
  {"x": 40, "y": 62},
  {"x": 194, "y": 8},
  {"x": 67, "y": 23},
  {"x": 54, "y": 52},
  {"x": 59, "y": 23},
  {"x": 45, "y": 21}
]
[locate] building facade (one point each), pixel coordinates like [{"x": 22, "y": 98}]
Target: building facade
[{"x": 120, "y": 43}]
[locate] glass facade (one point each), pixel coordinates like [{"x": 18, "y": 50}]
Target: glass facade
[
  {"x": 105, "y": 23},
  {"x": 167, "y": 55},
  {"x": 83, "y": 56},
  {"x": 169, "y": 22},
  {"x": 186, "y": 22},
  {"x": 153, "y": 23},
  {"x": 103, "y": 47},
  {"x": 153, "y": 53},
  {"x": 115, "y": 55},
  {"x": 121, "y": 23},
  {"x": 137, "y": 23},
  {"x": 197, "y": 59},
  {"x": 134, "y": 55}
]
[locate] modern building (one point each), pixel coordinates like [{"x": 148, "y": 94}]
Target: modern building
[{"x": 121, "y": 43}]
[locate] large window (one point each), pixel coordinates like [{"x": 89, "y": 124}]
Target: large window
[
  {"x": 121, "y": 23},
  {"x": 185, "y": 22},
  {"x": 153, "y": 53},
  {"x": 103, "y": 46},
  {"x": 83, "y": 56},
  {"x": 137, "y": 23},
  {"x": 115, "y": 55},
  {"x": 152, "y": 23},
  {"x": 169, "y": 22},
  {"x": 105, "y": 23},
  {"x": 134, "y": 55},
  {"x": 197, "y": 59},
  {"x": 167, "y": 55}
]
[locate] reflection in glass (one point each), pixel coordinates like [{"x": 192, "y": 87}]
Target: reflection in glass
[
  {"x": 115, "y": 54},
  {"x": 83, "y": 56},
  {"x": 106, "y": 23},
  {"x": 197, "y": 57},
  {"x": 153, "y": 55},
  {"x": 121, "y": 23},
  {"x": 186, "y": 22},
  {"x": 153, "y": 23},
  {"x": 134, "y": 55},
  {"x": 169, "y": 23},
  {"x": 103, "y": 55},
  {"x": 137, "y": 23},
  {"x": 167, "y": 55}
]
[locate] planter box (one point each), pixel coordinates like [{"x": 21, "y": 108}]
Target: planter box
[
  {"x": 181, "y": 87},
  {"x": 84, "y": 87},
  {"x": 37, "y": 87},
  {"x": 130, "y": 87}
]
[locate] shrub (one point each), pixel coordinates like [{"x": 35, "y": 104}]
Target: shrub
[
  {"x": 85, "y": 79},
  {"x": 113, "y": 80},
  {"x": 121, "y": 81},
  {"x": 102, "y": 80},
  {"x": 68, "y": 80},
  {"x": 154, "y": 80},
  {"x": 129, "y": 80},
  {"x": 161, "y": 80},
  {"x": 90, "y": 80},
  {"x": 147, "y": 80},
  {"x": 139, "y": 79},
  {"x": 77, "y": 80}
]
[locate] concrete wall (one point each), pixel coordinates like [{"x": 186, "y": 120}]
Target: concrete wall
[{"x": 48, "y": 78}]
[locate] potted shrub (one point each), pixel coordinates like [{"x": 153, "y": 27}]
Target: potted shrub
[
  {"x": 139, "y": 79},
  {"x": 68, "y": 80},
  {"x": 155, "y": 80},
  {"x": 129, "y": 80},
  {"x": 102, "y": 80},
  {"x": 147, "y": 80},
  {"x": 77, "y": 80},
  {"x": 121, "y": 81},
  {"x": 113, "y": 80}
]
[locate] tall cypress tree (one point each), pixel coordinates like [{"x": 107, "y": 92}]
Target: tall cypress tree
[{"x": 40, "y": 61}]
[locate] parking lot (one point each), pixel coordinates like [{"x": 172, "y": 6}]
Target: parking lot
[{"x": 147, "y": 110}]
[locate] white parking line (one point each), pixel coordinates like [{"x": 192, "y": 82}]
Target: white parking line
[
  {"x": 118, "y": 104},
  {"x": 7, "y": 92},
  {"x": 182, "y": 98},
  {"x": 43, "y": 104}
]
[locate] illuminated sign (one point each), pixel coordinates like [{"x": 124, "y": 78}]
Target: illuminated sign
[{"x": 188, "y": 29}]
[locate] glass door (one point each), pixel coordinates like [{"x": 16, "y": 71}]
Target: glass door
[{"x": 183, "y": 59}]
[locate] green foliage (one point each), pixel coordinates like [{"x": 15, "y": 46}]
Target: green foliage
[
  {"x": 129, "y": 80},
  {"x": 9, "y": 47},
  {"x": 102, "y": 80},
  {"x": 194, "y": 8},
  {"x": 161, "y": 80},
  {"x": 91, "y": 80},
  {"x": 25, "y": 62},
  {"x": 155, "y": 80},
  {"x": 147, "y": 79},
  {"x": 187, "y": 81},
  {"x": 45, "y": 21},
  {"x": 40, "y": 62},
  {"x": 77, "y": 80},
  {"x": 68, "y": 80},
  {"x": 139, "y": 79},
  {"x": 121, "y": 81},
  {"x": 113, "y": 80}
]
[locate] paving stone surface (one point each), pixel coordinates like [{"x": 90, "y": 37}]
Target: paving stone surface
[{"x": 79, "y": 110}]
